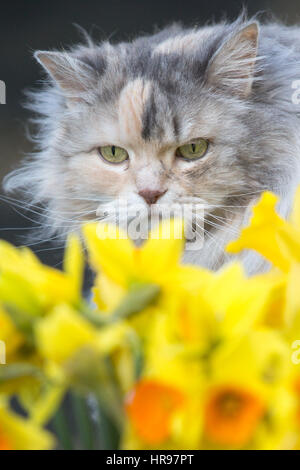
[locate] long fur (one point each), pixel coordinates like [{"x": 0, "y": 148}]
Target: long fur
[{"x": 160, "y": 91}]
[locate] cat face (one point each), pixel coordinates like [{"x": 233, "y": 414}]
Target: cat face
[
  {"x": 152, "y": 163},
  {"x": 175, "y": 107}
]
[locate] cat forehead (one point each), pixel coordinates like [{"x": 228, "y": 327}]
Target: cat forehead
[
  {"x": 157, "y": 77},
  {"x": 157, "y": 84},
  {"x": 166, "y": 57},
  {"x": 145, "y": 113},
  {"x": 131, "y": 108}
]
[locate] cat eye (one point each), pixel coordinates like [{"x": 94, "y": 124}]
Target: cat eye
[
  {"x": 194, "y": 150},
  {"x": 113, "y": 154}
]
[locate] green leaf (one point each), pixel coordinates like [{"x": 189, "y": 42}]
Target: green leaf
[
  {"x": 19, "y": 370},
  {"x": 22, "y": 321},
  {"x": 138, "y": 298}
]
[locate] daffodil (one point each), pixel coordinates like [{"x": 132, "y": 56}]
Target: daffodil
[
  {"x": 18, "y": 433},
  {"x": 28, "y": 286},
  {"x": 232, "y": 414},
  {"x": 115, "y": 255},
  {"x": 269, "y": 234},
  {"x": 62, "y": 333},
  {"x": 223, "y": 309},
  {"x": 28, "y": 290},
  {"x": 233, "y": 388},
  {"x": 76, "y": 351},
  {"x": 20, "y": 369},
  {"x": 9, "y": 335},
  {"x": 150, "y": 407},
  {"x": 121, "y": 264},
  {"x": 279, "y": 241},
  {"x": 242, "y": 388},
  {"x": 278, "y": 429},
  {"x": 181, "y": 357}
]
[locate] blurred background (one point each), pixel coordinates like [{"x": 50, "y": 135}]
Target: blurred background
[{"x": 27, "y": 25}]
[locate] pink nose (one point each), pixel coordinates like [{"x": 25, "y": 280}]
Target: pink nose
[{"x": 151, "y": 196}]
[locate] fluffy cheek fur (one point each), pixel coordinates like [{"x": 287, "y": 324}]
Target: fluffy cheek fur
[
  {"x": 87, "y": 174},
  {"x": 85, "y": 184},
  {"x": 221, "y": 173}
]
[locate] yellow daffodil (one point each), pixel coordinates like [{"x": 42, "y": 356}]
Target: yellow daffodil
[
  {"x": 181, "y": 357},
  {"x": 17, "y": 433},
  {"x": 20, "y": 369},
  {"x": 278, "y": 429},
  {"x": 29, "y": 291},
  {"x": 276, "y": 239},
  {"x": 11, "y": 337},
  {"x": 115, "y": 255},
  {"x": 224, "y": 309},
  {"x": 37, "y": 288},
  {"x": 279, "y": 241},
  {"x": 122, "y": 264},
  {"x": 233, "y": 390},
  {"x": 62, "y": 333},
  {"x": 242, "y": 388}
]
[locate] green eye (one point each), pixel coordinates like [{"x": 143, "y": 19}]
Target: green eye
[
  {"x": 113, "y": 154},
  {"x": 194, "y": 150}
]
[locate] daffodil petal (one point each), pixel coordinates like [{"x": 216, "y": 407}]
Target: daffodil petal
[
  {"x": 163, "y": 249},
  {"x": 73, "y": 261},
  {"x": 110, "y": 251},
  {"x": 262, "y": 233}
]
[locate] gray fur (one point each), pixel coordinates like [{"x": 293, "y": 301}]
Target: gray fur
[{"x": 256, "y": 137}]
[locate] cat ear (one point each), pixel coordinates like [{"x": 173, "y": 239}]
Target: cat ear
[
  {"x": 232, "y": 66},
  {"x": 74, "y": 77}
]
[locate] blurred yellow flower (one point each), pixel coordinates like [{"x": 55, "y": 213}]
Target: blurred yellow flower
[
  {"x": 28, "y": 285},
  {"x": 269, "y": 234},
  {"x": 121, "y": 264},
  {"x": 231, "y": 415},
  {"x": 62, "y": 333},
  {"x": 179, "y": 356},
  {"x": 18, "y": 433},
  {"x": 150, "y": 407},
  {"x": 10, "y": 335},
  {"x": 112, "y": 253}
]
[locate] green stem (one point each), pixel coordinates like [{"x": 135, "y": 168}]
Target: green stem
[
  {"x": 61, "y": 428},
  {"x": 109, "y": 433},
  {"x": 83, "y": 420}
]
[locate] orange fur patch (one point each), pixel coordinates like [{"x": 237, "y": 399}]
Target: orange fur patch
[{"x": 131, "y": 107}]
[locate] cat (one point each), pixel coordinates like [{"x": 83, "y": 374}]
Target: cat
[{"x": 199, "y": 114}]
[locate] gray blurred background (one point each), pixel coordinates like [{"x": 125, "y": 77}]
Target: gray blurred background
[{"x": 27, "y": 25}]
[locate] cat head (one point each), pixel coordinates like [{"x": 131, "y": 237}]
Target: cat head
[{"x": 164, "y": 119}]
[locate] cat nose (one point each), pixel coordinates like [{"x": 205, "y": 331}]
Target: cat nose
[{"x": 151, "y": 196}]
